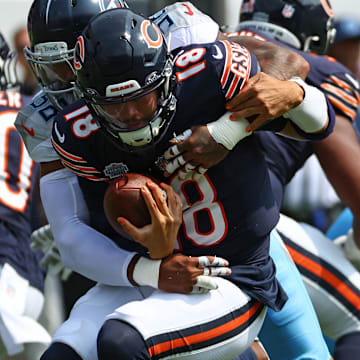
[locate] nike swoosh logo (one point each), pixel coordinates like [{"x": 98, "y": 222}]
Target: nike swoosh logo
[
  {"x": 189, "y": 11},
  {"x": 31, "y": 131},
  {"x": 61, "y": 137},
  {"x": 218, "y": 54}
]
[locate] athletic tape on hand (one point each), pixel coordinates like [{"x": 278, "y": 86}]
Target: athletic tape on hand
[
  {"x": 218, "y": 261},
  {"x": 228, "y": 132},
  {"x": 146, "y": 272},
  {"x": 205, "y": 282}
]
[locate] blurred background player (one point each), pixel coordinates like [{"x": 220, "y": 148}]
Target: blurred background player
[{"x": 21, "y": 278}]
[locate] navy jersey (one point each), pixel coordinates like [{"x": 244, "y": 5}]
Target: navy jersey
[
  {"x": 18, "y": 175},
  {"x": 285, "y": 156},
  {"x": 230, "y": 211}
]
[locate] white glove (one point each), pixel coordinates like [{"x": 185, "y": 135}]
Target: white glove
[
  {"x": 349, "y": 247},
  {"x": 42, "y": 239}
]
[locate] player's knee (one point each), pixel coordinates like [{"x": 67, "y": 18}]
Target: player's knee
[
  {"x": 59, "y": 351},
  {"x": 119, "y": 340}
]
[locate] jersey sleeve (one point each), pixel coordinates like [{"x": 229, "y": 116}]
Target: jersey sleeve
[
  {"x": 183, "y": 24},
  {"x": 236, "y": 64},
  {"x": 34, "y": 123},
  {"x": 342, "y": 90},
  {"x": 71, "y": 129}
]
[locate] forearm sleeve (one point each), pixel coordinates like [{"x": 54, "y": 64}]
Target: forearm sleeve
[{"x": 82, "y": 248}]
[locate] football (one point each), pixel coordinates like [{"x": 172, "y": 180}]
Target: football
[{"x": 123, "y": 199}]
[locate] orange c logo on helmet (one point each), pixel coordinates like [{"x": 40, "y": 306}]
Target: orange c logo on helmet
[
  {"x": 327, "y": 7},
  {"x": 144, "y": 30},
  {"x": 79, "y": 55}
]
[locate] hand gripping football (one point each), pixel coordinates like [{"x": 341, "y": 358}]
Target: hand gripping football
[{"x": 123, "y": 199}]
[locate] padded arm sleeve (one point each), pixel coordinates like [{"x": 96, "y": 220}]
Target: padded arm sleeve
[{"x": 82, "y": 248}]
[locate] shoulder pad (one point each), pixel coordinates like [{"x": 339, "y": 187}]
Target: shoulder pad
[
  {"x": 183, "y": 24},
  {"x": 34, "y": 123}
]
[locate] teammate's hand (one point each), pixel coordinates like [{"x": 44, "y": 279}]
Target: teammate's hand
[
  {"x": 193, "y": 152},
  {"x": 185, "y": 275},
  {"x": 165, "y": 208},
  {"x": 265, "y": 98},
  {"x": 42, "y": 239}
]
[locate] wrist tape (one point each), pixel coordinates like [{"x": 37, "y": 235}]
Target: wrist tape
[
  {"x": 146, "y": 272},
  {"x": 228, "y": 132},
  {"x": 312, "y": 114}
]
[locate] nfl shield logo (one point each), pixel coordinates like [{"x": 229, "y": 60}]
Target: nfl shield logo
[
  {"x": 247, "y": 7},
  {"x": 288, "y": 11}
]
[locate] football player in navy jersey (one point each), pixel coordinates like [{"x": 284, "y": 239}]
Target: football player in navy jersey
[
  {"x": 132, "y": 138},
  {"x": 21, "y": 278},
  {"x": 292, "y": 22}
]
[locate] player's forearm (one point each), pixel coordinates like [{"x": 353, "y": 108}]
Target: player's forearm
[
  {"x": 277, "y": 61},
  {"x": 82, "y": 248}
]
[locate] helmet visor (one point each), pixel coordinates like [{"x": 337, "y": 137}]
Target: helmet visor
[{"x": 131, "y": 114}]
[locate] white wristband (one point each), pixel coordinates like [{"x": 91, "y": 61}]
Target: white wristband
[
  {"x": 312, "y": 114},
  {"x": 146, "y": 272},
  {"x": 228, "y": 132}
]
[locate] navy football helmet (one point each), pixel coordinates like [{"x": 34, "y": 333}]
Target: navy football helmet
[
  {"x": 53, "y": 28},
  {"x": 120, "y": 57},
  {"x": 305, "y": 24},
  {"x": 8, "y": 75}
]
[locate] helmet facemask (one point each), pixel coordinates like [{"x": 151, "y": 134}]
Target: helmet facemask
[
  {"x": 8, "y": 75},
  {"x": 150, "y": 132},
  {"x": 51, "y": 64}
]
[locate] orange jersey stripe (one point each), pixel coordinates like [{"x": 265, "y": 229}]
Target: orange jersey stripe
[
  {"x": 206, "y": 335},
  {"x": 85, "y": 169},
  {"x": 346, "y": 110},
  {"x": 90, "y": 177},
  {"x": 341, "y": 83},
  {"x": 336, "y": 91},
  {"x": 66, "y": 154},
  {"x": 226, "y": 72},
  {"x": 326, "y": 275}
]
